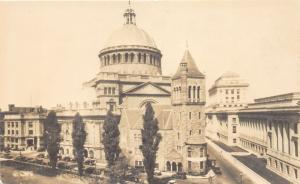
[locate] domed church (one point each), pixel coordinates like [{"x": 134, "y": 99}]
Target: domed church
[{"x": 130, "y": 76}]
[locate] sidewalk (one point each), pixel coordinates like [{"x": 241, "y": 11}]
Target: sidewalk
[{"x": 258, "y": 165}]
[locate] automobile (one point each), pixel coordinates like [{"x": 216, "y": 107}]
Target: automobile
[
  {"x": 67, "y": 159},
  {"x": 217, "y": 170},
  {"x": 20, "y": 158},
  {"x": 90, "y": 162},
  {"x": 38, "y": 161},
  {"x": 180, "y": 175},
  {"x": 157, "y": 172},
  {"x": 90, "y": 170},
  {"x": 40, "y": 155},
  {"x": 171, "y": 181},
  {"x": 62, "y": 165},
  {"x": 7, "y": 156}
]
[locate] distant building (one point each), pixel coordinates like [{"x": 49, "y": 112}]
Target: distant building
[
  {"x": 23, "y": 127},
  {"x": 270, "y": 126},
  {"x": 227, "y": 96}
]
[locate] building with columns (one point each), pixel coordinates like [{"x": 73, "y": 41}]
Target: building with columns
[
  {"x": 270, "y": 127},
  {"x": 227, "y": 95}
]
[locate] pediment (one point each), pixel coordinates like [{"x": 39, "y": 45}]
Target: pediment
[{"x": 147, "y": 88}]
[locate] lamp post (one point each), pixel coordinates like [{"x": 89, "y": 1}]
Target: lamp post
[{"x": 241, "y": 178}]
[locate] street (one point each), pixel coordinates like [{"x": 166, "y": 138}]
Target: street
[{"x": 229, "y": 174}]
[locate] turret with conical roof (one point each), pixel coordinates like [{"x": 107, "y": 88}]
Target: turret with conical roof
[{"x": 188, "y": 83}]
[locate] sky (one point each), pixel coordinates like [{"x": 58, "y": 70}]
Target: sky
[{"x": 48, "y": 49}]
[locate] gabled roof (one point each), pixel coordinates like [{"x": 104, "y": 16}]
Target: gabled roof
[
  {"x": 192, "y": 69},
  {"x": 162, "y": 113},
  {"x": 147, "y": 88}
]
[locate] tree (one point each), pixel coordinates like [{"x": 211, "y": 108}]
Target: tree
[
  {"x": 150, "y": 141},
  {"x": 110, "y": 141},
  {"x": 52, "y": 137},
  {"x": 79, "y": 137}
]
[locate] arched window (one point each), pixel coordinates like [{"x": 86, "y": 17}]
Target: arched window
[
  {"x": 139, "y": 57},
  {"x": 131, "y": 57},
  {"x": 145, "y": 58},
  {"x": 126, "y": 57},
  {"x": 194, "y": 92},
  {"x": 119, "y": 58},
  {"x": 198, "y": 92}
]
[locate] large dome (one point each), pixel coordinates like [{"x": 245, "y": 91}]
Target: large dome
[{"x": 130, "y": 35}]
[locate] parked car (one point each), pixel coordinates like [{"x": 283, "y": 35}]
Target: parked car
[
  {"x": 20, "y": 158},
  {"x": 62, "y": 165},
  {"x": 171, "y": 182},
  {"x": 157, "y": 172},
  {"x": 40, "y": 155},
  {"x": 90, "y": 170},
  {"x": 90, "y": 162},
  {"x": 217, "y": 170},
  {"x": 67, "y": 159},
  {"x": 180, "y": 175}
]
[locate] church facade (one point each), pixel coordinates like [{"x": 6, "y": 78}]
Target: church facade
[{"x": 130, "y": 77}]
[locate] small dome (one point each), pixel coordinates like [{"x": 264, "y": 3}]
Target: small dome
[{"x": 130, "y": 35}]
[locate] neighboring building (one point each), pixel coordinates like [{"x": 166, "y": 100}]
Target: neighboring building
[
  {"x": 93, "y": 126},
  {"x": 23, "y": 127},
  {"x": 270, "y": 126},
  {"x": 181, "y": 124},
  {"x": 227, "y": 96},
  {"x": 2, "y": 130}
]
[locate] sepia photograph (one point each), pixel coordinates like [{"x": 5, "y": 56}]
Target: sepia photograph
[{"x": 150, "y": 92}]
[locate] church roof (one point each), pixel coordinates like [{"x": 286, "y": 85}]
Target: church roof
[
  {"x": 192, "y": 69},
  {"x": 162, "y": 113}
]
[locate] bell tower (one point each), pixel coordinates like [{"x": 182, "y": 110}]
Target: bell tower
[{"x": 188, "y": 101}]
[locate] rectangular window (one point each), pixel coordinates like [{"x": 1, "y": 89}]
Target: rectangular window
[
  {"x": 8, "y": 131},
  {"x": 30, "y": 132},
  {"x": 234, "y": 129},
  {"x": 190, "y": 115},
  {"x": 238, "y": 97},
  {"x": 17, "y": 132},
  {"x": 105, "y": 90},
  {"x": 12, "y": 124},
  {"x": 189, "y": 153},
  {"x": 234, "y": 140},
  {"x": 113, "y": 91},
  {"x": 12, "y": 132},
  {"x": 189, "y": 165},
  {"x": 17, "y": 124},
  {"x": 238, "y": 91},
  {"x": 201, "y": 165},
  {"x": 8, "y": 124},
  {"x": 30, "y": 124},
  {"x": 201, "y": 152},
  {"x": 199, "y": 115},
  {"x": 232, "y": 91}
]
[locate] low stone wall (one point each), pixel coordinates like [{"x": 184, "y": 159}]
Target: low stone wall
[{"x": 240, "y": 166}]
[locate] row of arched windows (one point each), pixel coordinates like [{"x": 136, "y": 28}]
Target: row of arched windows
[
  {"x": 194, "y": 93},
  {"x": 130, "y": 58}
]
